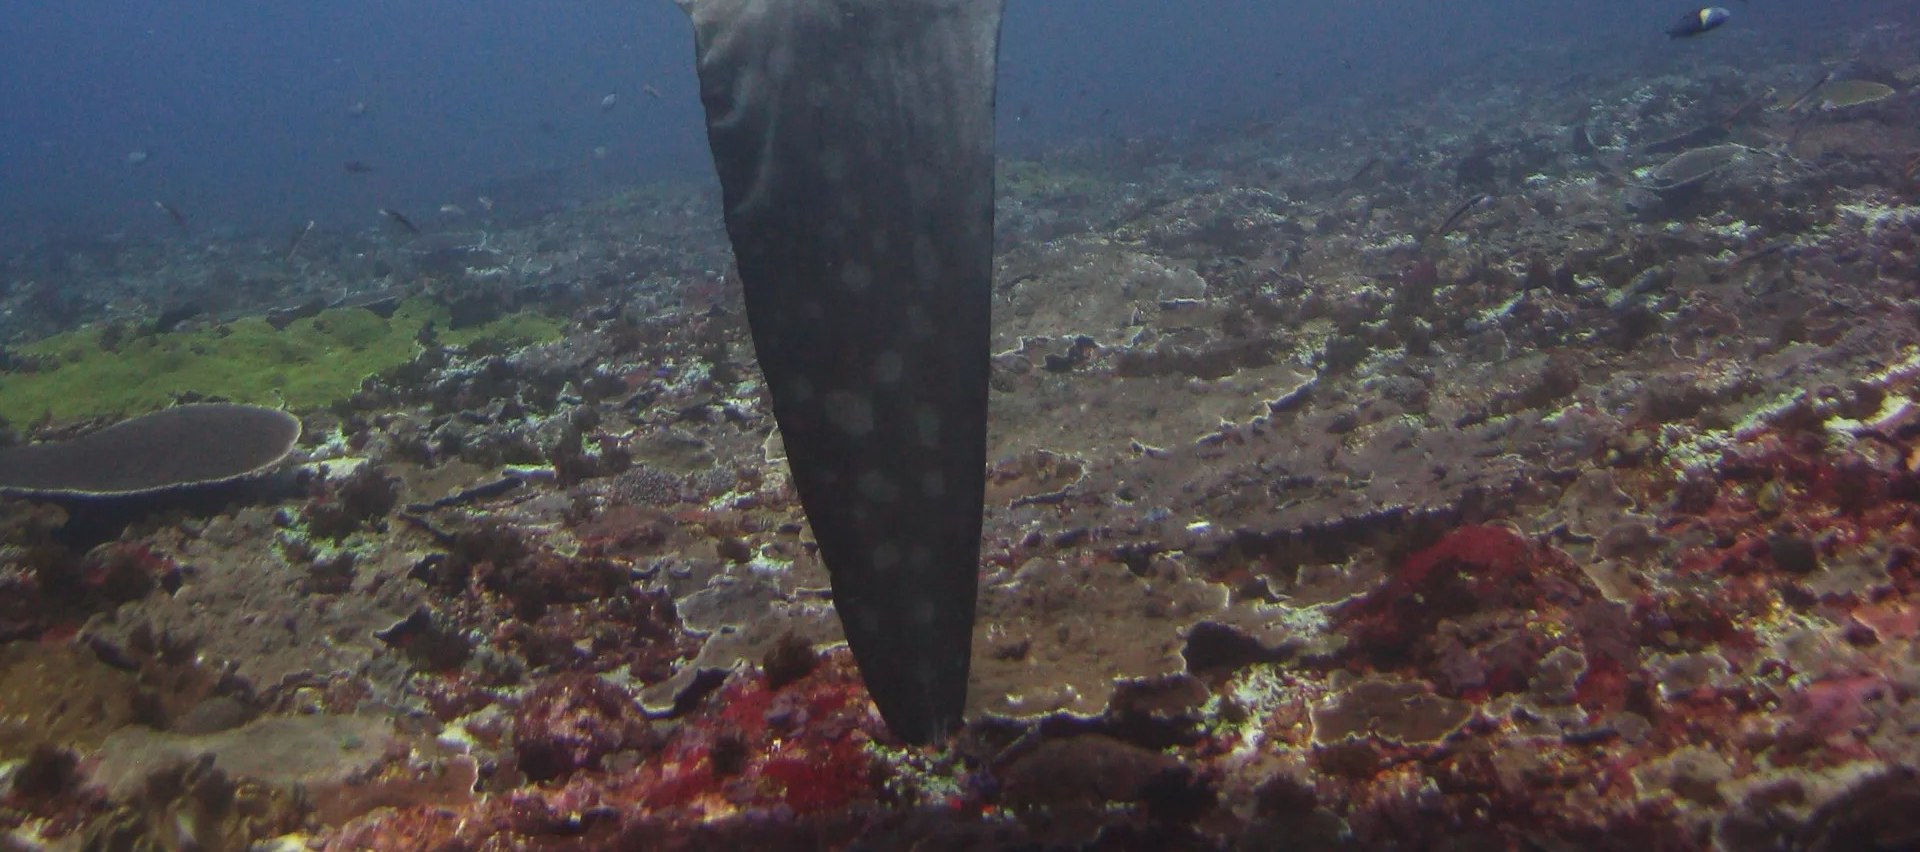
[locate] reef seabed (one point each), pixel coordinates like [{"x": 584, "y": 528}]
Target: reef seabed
[{"x": 1587, "y": 517}]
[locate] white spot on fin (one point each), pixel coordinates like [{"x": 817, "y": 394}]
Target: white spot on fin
[
  {"x": 875, "y": 486},
  {"x": 856, "y": 277},
  {"x": 926, "y": 261},
  {"x": 888, "y": 368},
  {"x": 927, "y": 422},
  {"x": 851, "y": 412}
]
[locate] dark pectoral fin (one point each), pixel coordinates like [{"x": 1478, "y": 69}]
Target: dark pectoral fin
[{"x": 854, "y": 141}]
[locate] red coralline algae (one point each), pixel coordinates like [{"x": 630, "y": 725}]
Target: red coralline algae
[
  {"x": 124, "y": 571},
  {"x": 802, "y": 746},
  {"x": 1604, "y": 688},
  {"x": 631, "y": 629},
  {"x": 540, "y": 580},
  {"x": 574, "y": 721},
  {"x": 1599, "y": 529},
  {"x": 1686, "y": 619},
  {"x": 450, "y": 698},
  {"x": 1780, "y": 490},
  {"x": 1488, "y": 575},
  {"x": 1889, "y": 620},
  {"x": 800, "y": 752},
  {"x": 1827, "y": 713}
]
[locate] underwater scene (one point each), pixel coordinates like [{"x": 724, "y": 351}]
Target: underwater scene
[{"x": 948, "y": 425}]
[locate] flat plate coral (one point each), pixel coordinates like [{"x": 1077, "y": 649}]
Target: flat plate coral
[{"x": 178, "y": 447}]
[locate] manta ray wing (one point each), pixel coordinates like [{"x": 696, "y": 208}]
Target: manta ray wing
[{"x": 854, "y": 143}]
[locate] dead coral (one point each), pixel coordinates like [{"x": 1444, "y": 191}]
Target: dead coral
[
  {"x": 364, "y": 497},
  {"x": 317, "y": 752},
  {"x": 64, "y": 696},
  {"x": 429, "y": 640},
  {"x": 1070, "y": 782},
  {"x": 791, "y": 658},
  {"x": 1878, "y": 813},
  {"x": 1039, "y": 628},
  {"x": 239, "y": 604},
  {"x": 1395, "y": 711},
  {"x": 192, "y": 804},
  {"x": 574, "y": 722}
]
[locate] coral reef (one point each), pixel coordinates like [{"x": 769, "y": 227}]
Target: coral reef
[{"x": 1505, "y": 475}]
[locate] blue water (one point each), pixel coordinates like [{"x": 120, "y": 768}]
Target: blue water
[{"x": 243, "y": 109}]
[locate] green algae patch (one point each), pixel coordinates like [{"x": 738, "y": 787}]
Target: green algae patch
[
  {"x": 311, "y": 363},
  {"x": 1028, "y": 180}
]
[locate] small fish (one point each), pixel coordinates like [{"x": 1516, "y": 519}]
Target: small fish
[
  {"x": 135, "y": 158},
  {"x": 1806, "y": 97},
  {"x": 1459, "y": 213},
  {"x": 486, "y": 203},
  {"x": 298, "y": 238},
  {"x": 650, "y": 91},
  {"x": 599, "y": 152},
  {"x": 174, "y": 214},
  {"x": 357, "y": 109},
  {"x": 452, "y": 210},
  {"x": 400, "y": 220},
  {"x": 609, "y": 102},
  {"x": 1768, "y": 250},
  {"x": 1364, "y": 170},
  {"x": 1694, "y": 23},
  {"x": 356, "y": 167}
]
